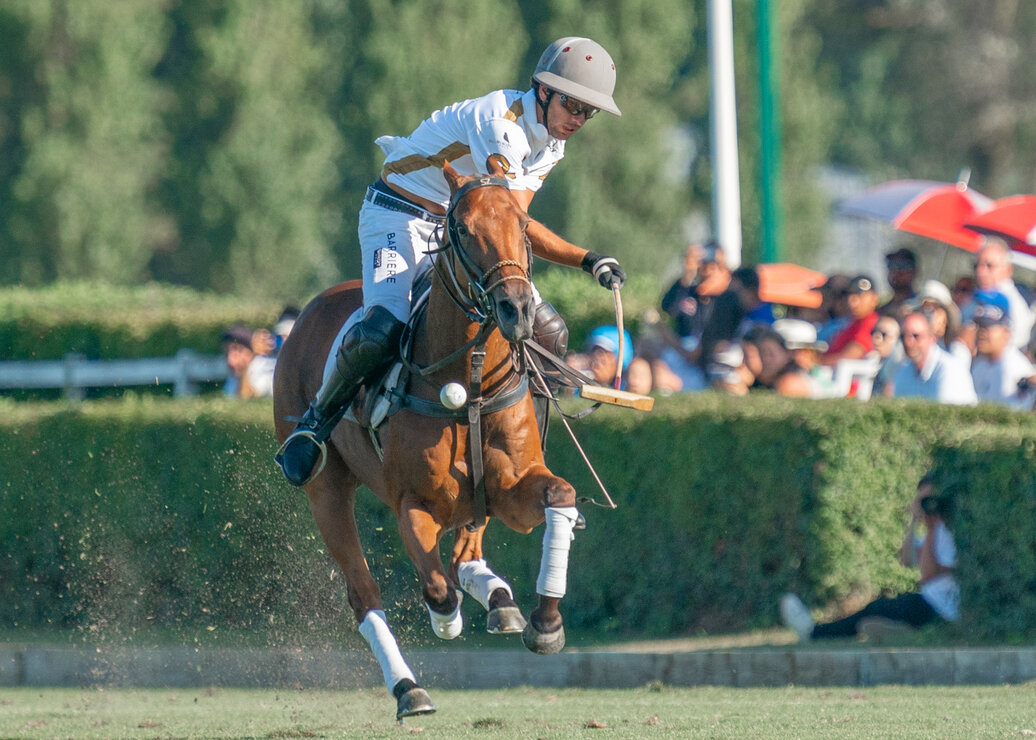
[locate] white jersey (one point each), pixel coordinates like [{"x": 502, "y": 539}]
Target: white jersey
[{"x": 500, "y": 127}]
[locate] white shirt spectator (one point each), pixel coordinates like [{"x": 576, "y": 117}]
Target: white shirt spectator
[
  {"x": 943, "y": 592},
  {"x": 997, "y": 380},
  {"x": 260, "y": 375},
  {"x": 942, "y": 378}
]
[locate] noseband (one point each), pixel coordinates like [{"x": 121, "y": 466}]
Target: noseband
[{"x": 475, "y": 300}]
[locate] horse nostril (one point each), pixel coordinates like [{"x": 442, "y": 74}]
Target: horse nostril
[{"x": 507, "y": 311}]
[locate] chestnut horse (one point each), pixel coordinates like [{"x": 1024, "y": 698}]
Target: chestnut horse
[{"x": 481, "y": 295}]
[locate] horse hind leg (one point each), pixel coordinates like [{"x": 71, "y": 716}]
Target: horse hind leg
[
  {"x": 421, "y": 531},
  {"x": 331, "y": 499},
  {"x": 504, "y": 617},
  {"x": 493, "y": 592}
]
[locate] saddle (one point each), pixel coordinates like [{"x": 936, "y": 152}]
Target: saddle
[{"x": 387, "y": 394}]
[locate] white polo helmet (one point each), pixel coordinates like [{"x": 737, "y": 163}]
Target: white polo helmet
[{"x": 581, "y": 69}]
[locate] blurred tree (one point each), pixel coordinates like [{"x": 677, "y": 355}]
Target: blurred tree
[
  {"x": 932, "y": 87},
  {"x": 809, "y": 119},
  {"x": 396, "y": 70},
  {"x": 617, "y": 192},
  {"x": 83, "y": 139},
  {"x": 252, "y": 195},
  {"x": 227, "y": 145}
]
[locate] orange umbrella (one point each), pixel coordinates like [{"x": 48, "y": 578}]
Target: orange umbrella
[
  {"x": 937, "y": 210},
  {"x": 1013, "y": 218},
  {"x": 790, "y": 285}
]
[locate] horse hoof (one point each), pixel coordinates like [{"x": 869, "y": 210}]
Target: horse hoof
[
  {"x": 411, "y": 700},
  {"x": 505, "y": 620},
  {"x": 543, "y": 643}
]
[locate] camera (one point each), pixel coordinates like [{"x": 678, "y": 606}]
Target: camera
[{"x": 931, "y": 505}]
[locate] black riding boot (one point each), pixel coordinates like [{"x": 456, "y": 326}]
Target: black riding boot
[
  {"x": 367, "y": 348},
  {"x": 550, "y": 332}
]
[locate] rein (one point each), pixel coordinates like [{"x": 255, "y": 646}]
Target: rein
[{"x": 473, "y": 302}]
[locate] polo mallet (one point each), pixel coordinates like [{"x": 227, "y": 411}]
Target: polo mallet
[
  {"x": 615, "y": 395},
  {"x": 622, "y": 335}
]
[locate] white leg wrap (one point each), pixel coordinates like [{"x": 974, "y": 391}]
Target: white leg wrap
[
  {"x": 478, "y": 580},
  {"x": 376, "y": 632},
  {"x": 447, "y": 626},
  {"x": 556, "y": 542}
]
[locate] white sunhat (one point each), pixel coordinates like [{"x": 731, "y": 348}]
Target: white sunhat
[{"x": 798, "y": 334}]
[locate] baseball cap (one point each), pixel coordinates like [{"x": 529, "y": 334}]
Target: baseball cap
[
  {"x": 991, "y": 308},
  {"x": 860, "y": 284},
  {"x": 902, "y": 255},
  {"x": 606, "y": 338},
  {"x": 237, "y": 335}
]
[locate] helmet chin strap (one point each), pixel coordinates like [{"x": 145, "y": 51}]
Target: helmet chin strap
[{"x": 543, "y": 104}]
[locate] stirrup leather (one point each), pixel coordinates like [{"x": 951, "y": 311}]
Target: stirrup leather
[{"x": 318, "y": 467}]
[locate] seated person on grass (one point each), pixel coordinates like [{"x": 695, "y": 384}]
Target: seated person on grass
[{"x": 937, "y": 599}]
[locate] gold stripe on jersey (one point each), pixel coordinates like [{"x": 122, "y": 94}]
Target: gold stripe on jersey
[
  {"x": 515, "y": 111},
  {"x": 415, "y": 162}
]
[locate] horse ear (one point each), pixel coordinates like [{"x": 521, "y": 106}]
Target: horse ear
[{"x": 452, "y": 176}]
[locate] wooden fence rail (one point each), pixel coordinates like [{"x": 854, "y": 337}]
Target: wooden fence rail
[{"x": 74, "y": 373}]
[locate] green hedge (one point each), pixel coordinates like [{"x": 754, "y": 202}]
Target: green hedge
[
  {"x": 992, "y": 479},
  {"x": 137, "y": 515},
  {"x": 108, "y": 322},
  {"x": 155, "y": 320}
]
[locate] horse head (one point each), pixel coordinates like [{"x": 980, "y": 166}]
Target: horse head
[{"x": 487, "y": 235}]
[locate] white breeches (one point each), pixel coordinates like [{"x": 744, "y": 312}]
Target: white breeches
[
  {"x": 478, "y": 580},
  {"x": 557, "y": 539},
  {"x": 376, "y": 632},
  {"x": 393, "y": 248}
]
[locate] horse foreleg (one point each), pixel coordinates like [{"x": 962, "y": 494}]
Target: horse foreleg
[
  {"x": 493, "y": 592},
  {"x": 545, "y": 633},
  {"x": 332, "y": 508},
  {"x": 421, "y": 534},
  {"x": 540, "y": 495}
]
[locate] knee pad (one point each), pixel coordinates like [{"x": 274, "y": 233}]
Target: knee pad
[
  {"x": 370, "y": 344},
  {"x": 549, "y": 329}
]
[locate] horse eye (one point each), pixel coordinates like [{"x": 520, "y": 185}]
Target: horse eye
[{"x": 462, "y": 230}]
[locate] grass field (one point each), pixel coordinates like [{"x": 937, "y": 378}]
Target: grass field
[{"x": 649, "y": 712}]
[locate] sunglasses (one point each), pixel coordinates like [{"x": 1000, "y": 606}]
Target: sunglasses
[{"x": 577, "y": 107}]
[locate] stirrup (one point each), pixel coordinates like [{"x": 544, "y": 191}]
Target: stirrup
[{"x": 318, "y": 467}]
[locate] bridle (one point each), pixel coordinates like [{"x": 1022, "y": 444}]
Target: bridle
[{"x": 475, "y": 300}]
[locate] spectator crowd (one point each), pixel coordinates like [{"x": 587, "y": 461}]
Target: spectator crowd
[
  {"x": 714, "y": 329},
  {"x": 972, "y": 343}
]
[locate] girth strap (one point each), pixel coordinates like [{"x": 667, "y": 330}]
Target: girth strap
[
  {"x": 478, "y": 481},
  {"x": 498, "y": 402}
]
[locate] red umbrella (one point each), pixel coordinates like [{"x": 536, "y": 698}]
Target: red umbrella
[
  {"x": 1013, "y": 218},
  {"x": 790, "y": 285},
  {"x": 937, "y": 210}
]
